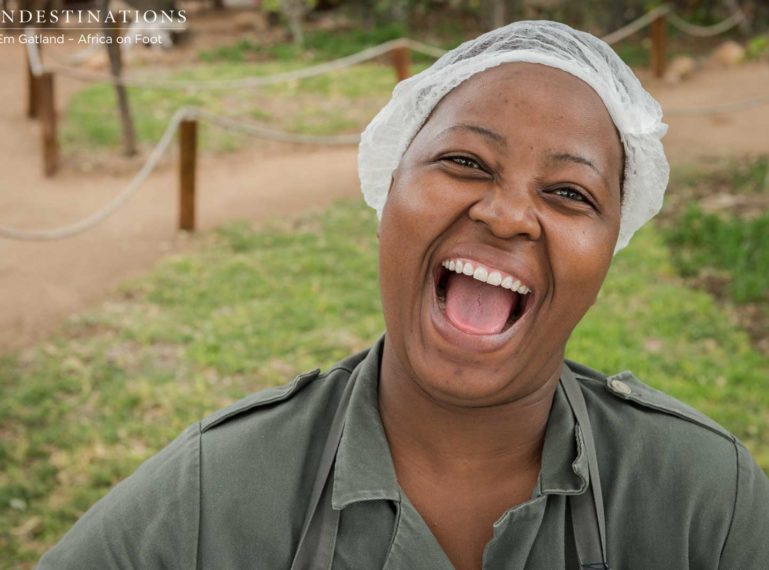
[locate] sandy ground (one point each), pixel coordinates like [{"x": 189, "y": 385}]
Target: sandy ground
[
  {"x": 41, "y": 283},
  {"x": 724, "y": 134}
]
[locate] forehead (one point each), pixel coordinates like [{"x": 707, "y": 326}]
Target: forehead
[{"x": 515, "y": 93}]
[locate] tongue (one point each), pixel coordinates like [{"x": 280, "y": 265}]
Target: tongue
[{"x": 475, "y": 307}]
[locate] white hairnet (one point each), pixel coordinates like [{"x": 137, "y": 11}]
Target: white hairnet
[{"x": 635, "y": 113}]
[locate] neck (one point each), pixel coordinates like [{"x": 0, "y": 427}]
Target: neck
[{"x": 445, "y": 438}]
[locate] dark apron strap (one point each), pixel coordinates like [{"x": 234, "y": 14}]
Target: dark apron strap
[
  {"x": 587, "y": 514},
  {"x": 318, "y": 538}
]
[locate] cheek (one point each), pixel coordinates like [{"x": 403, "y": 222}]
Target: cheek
[
  {"x": 415, "y": 217},
  {"x": 398, "y": 239},
  {"x": 425, "y": 204},
  {"x": 581, "y": 257}
]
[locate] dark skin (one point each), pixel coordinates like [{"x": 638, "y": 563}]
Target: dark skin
[{"x": 519, "y": 168}]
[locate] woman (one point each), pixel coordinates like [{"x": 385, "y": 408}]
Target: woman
[{"x": 505, "y": 177}]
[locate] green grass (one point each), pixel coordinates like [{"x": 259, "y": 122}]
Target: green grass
[
  {"x": 319, "y": 45},
  {"x": 338, "y": 102},
  {"x": 342, "y": 101},
  {"x": 678, "y": 340},
  {"x": 633, "y": 53},
  {"x": 757, "y": 47},
  {"x": 744, "y": 175},
  {"x": 249, "y": 308},
  {"x": 729, "y": 243}
]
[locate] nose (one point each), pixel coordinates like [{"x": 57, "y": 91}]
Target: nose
[{"x": 508, "y": 213}]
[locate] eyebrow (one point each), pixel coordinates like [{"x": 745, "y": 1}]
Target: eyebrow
[
  {"x": 568, "y": 157},
  {"x": 494, "y": 137}
]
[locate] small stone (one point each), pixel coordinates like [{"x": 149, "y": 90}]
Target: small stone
[
  {"x": 251, "y": 22},
  {"x": 679, "y": 68},
  {"x": 728, "y": 53},
  {"x": 18, "y": 504}
]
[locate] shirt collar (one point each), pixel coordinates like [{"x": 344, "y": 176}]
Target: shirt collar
[
  {"x": 364, "y": 468},
  {"x": 564, "y": 461}
]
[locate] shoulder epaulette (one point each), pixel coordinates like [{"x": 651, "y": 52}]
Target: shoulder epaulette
[
  {"x": 259, "y": 399},
  {"x": 626, "y": 386}
]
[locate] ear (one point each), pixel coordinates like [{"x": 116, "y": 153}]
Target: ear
[
  {"x": 394, "y": 176},
  {"x": 389, "y": 189}
]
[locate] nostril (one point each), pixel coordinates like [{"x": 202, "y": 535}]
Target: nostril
[{"x": 507, "y": 217}]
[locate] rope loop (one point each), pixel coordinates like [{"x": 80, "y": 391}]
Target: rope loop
[
  {"x": 706, "y": 31},
  {"x": 131, "y": 188},
  {"x": 37, "y": 68},
  {"x": 185, "y": 113}
]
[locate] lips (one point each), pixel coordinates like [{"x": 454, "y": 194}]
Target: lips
[{"x": 477, "y": 305}]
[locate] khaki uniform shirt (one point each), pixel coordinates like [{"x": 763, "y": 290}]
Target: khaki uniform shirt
[{"x": 232, "y": 491}]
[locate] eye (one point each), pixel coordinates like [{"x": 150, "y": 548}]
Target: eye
[
  {"x": 464, "y": 161},
  {"x": 571, "y": 194}
]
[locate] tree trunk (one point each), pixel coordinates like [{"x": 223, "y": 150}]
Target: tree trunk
[
  {"x": 617, "y": 15},
  {"x": 498, "y": 14},
  {"x": 116, "y": 68},
  {"x": 293, "y": 10}
]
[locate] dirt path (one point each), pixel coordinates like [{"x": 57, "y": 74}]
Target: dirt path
[
  {"x": 726, "y": 134},
  {"x": 41, "y": 283}
]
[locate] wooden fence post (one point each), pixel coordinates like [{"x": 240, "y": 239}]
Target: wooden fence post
[
  {"x": 188, "y": 142},
  {"x": 46, "y": 106},
  {"x": 114, "y": 54},
  {"x": 659, "y": 47},
  {"x": 401, "y": 60},
  {"x": 32, "y": 83}
]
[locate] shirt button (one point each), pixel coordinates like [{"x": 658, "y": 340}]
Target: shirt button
[{"x": 620, "y": 387}]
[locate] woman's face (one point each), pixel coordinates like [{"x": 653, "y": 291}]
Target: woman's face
[{"x": 516, "y": 174}]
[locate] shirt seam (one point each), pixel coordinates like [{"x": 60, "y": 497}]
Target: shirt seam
[
  {"x": 736, "y": 501},
  {"x": 335, "y": 368},
  {"x": 396, "y": 526},
  {"x": 198, "y": 462}
]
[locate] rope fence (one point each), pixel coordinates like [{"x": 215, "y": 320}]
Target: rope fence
[
  {"x": 236, "y": 124},
  {"x": 245, "y": 83},
  {"x": 720, "y": 108},
  {"x": 657, "y": 15},
  {"x": 187, "y": 156},
  {"x": 637, "y": 25},
  {"x": 706, "y": 31},
  {"x": 131, "y": 188},
  {"x": 186, "y": 119}
]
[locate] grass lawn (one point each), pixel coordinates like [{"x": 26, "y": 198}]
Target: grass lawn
[
  {"x": 339, "y": 102},
  {"x": 342, "y": 101},
  {"x": 719, "y": 226},
  {"x": 249, "y": 308}
]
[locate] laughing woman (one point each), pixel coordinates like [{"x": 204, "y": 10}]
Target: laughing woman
[{"x": 505, "y": 176}]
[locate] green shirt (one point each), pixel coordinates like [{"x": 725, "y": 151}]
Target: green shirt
[{"x": 232, "y": 490}]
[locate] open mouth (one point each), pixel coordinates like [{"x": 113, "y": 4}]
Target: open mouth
[{"x": 477, "y": 299}]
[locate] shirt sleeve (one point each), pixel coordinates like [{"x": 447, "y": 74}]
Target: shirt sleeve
[
  {"x": 747, "y": 544},
  {"x": 149, "y": 520}
]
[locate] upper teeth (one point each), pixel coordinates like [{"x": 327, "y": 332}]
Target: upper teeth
[{"x": 490, "y": 276}]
